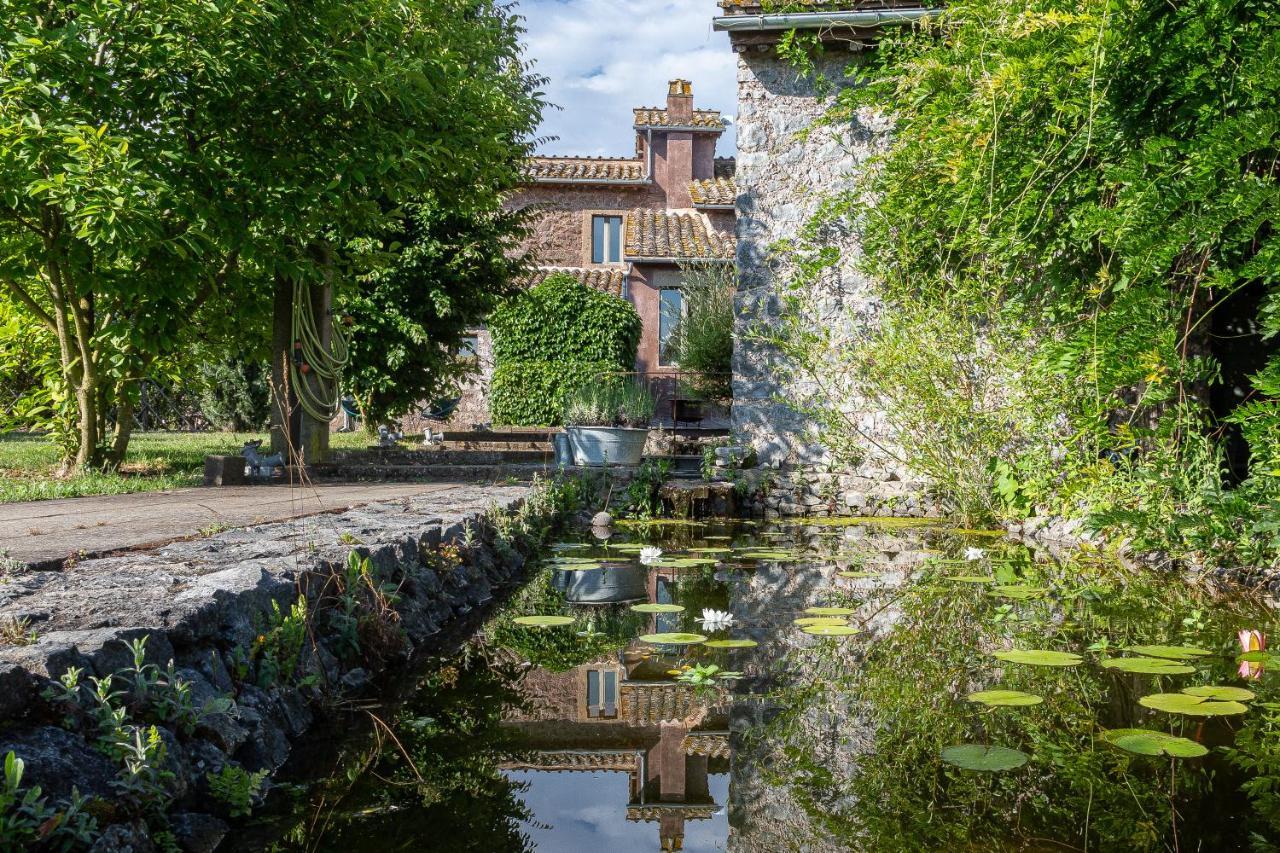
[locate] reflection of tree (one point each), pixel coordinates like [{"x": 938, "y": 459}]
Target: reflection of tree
[
  {"x": 431, "y": 780},
  {"x": 854, "y": 741}
]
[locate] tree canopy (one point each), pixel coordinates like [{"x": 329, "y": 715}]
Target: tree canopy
[{"x": 160, "y": 161}]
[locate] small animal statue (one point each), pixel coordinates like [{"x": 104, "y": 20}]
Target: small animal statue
[
  {"x": 386, "y": 437},
  {"x": 258, "y": 465}
]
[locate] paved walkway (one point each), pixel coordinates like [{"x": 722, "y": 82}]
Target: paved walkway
[{"x": 40, "y": 532}]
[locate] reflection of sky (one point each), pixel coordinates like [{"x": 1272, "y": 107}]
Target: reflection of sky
[{"x": 588, "y": 812}]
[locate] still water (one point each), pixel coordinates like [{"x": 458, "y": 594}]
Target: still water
[{"x": 871, "y": 725}]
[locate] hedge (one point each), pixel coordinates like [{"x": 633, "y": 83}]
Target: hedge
[
  {"x": 564, "y": 320},
  {"x": 532, "y": 393}
]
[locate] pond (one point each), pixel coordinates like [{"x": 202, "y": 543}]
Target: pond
[{"x": 864, "y": 686}]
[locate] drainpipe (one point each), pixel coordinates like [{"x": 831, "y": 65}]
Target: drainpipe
[{"x": 817, "y": 20}]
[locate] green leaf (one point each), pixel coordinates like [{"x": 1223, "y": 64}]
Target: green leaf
[
  {"x": 828, "y": 630},
  {"x": 1170, "y": 652},
  {"x": 657, "y": 608},
  {"x": 1005, "y": 698},
  {"x": 1149, "y": 742},
  {"x": 1148, "y": 666},
  {"x": 673, "y": 639},
  {"x": 986, "y": 759},
  {"x": 1221, "y": 692},
  {"x": 730, "y": 644},
  {"x": 1039, "y": 657},
  {"x": 1194, "y": 706},
  {"x": 543, "y": 621},
  {"x": 830, "y": 611}
]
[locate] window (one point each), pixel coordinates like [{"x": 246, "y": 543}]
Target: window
[
  {"x": 670, "y": 312},
  {"x": 606, "y": 239},
  {"x": 602, "y": 694}
]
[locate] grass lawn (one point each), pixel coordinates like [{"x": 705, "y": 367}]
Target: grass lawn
[{"x": 156, "y": 460}]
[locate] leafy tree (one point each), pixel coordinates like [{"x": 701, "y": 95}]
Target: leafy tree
[
  {"x": 160, "y": 162},
  {"x": 410, "y": 318},
  {"x": 1081, "y": 189}
]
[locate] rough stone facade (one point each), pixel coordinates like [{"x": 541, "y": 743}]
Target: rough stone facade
[{"x": 787, "y": 165}]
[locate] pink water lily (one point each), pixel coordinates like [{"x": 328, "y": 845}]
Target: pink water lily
[{"x": 1252, "y": 640}]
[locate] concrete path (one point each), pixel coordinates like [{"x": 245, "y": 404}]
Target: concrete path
[{"x": 43, "y": 532}]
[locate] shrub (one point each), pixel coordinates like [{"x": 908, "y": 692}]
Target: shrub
[
  {"x": 552, "y": 339},
  {"x": 237, "y": 392},
  {"x": 533, "y": 393},
  {"x": 564, "y": 320},
  {"x": 703, "y": 342}
]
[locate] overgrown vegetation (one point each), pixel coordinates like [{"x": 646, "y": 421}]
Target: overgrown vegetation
[
  {"x": 1072, "y": 237},
  {"x": 553, "y": 339},
  {"x": 703, "y": 340}
]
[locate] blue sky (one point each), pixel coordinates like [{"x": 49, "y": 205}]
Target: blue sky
[{"x": 604, "y": 57}]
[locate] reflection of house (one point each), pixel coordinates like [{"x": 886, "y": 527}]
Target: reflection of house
[
  {"x": 624, "y": 714},
  {"x": 624, "y": 225}
]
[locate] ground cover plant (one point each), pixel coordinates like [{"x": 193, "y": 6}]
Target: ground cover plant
[{"x": 1071, "y": 234}]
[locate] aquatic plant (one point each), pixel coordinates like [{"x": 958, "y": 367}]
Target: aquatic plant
[
  {"x": 1148, "y": 742},
  {"x": 649, "y": 555},
  {"x": 1252, "y": 641},
  {"x": 715, "y": 620},
  {"x": 1005, "y": 698},
  {"x": 674, "y": 638},
  {"x": 543, "y": 621},
  {"x": 986, "y": 759}
]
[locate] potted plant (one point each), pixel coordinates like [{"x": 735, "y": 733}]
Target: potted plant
[{"x": 607, "y": 423}]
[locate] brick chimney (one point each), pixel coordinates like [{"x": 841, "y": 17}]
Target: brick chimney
[{"x": 680, "y": 102}]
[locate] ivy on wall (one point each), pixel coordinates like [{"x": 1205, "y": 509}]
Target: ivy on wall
[{"x": 551, "y": 339}]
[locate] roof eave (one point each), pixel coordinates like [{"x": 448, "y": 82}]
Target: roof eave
[
  {"x": 701, "y": 206},
  {"x": 615, "y": 182},
  {"x": 642, "y": 259},
  {"x": 694, "y": 128},
  {"x": 819, "y": 20}
]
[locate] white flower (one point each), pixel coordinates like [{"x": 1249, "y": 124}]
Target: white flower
[
  {"x": 974, "y": 553},
  {"x": 715, "y": 620},
  {"x": 650, "y": 555}
]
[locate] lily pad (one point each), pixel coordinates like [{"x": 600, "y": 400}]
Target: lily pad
[
  {"x": 1149, "y": 666},
  {"x": 673, "y": 639},
  {"x": 805, "y": 621},
  {"x": 987, "y": 759},
  {"x": 1193, "y": 706},
  {"x": 857, "y": 575},
  {"x": 543, "y": 621},
  {"x": 769, "y": 556},
  {"x": 1264, "y": 658},
  {"x": 1005, "y": 698},
  {"x": 1220, "y": 692},
  {"x": 657, "y": 608},
  {"x": 969, "y": 578},
  {"x": 830, "y": 611},
  {"x": 730, "y": 644},
  {"x": 827, "y": 630},
  {"x": 711, "y": 550},
  {"x": 1148, "y": 742},
  {"x": 577, "y": 567},
  {"x": 1170, "y": 652},
  {"x": 1039, "y": 657}
]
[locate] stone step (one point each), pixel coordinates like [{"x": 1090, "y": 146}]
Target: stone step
[{"x": 498, "y": 445}]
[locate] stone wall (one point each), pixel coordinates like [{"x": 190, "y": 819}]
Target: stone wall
[
  {"x": 783, "y": 177},
  {"x": 204, "y": 606}
]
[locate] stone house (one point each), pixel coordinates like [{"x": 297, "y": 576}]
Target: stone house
[
  {"x": 624, "y": 225},
  {"x": 787, "y": 163}
]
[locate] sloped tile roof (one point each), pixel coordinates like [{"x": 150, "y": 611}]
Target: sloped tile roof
[
  {"x": 606, "y": 279},
  {"x": 644, "y": 703},
  {"x": 716, "y": 191},
  {"x": 671, "y": 234},
  {"x": 559, "y": 169},
  {"x": 658, "y": 117}
]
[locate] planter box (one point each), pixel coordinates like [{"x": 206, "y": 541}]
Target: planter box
[{"x": 597, "y": 446}]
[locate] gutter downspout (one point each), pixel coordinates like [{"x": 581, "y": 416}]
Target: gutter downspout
[{"x": 817, "y": 20}]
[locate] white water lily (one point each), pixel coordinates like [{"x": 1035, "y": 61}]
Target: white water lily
[
  {"x": 974, "y": 553},
  {"x": 650, "y": 555},
  {"x": 715, "y": 620}
]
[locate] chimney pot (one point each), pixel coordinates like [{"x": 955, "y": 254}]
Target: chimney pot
[{"x": 680, "y": 102}]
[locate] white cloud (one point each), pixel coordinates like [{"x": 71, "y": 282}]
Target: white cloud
[{"x": 604, "y": 57}]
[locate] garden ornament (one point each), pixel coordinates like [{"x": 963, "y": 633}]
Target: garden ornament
[
  {"x": 386, "y": 437},
  {"x": 258, "y": 465}
]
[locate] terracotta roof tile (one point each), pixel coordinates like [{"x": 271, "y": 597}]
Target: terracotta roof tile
[
  {"x": 649, "y": 703},
  {"x": 560, "y": 169},
  {"x": 607, "y": 279},
  {"x": 755, "y": 7},
  {"x": 716, "y": 191},
  {"x": 670, "y": 234},
  {"x": 658, "y": 117}
]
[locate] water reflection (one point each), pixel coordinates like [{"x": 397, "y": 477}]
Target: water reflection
[{"x": 586, "y": 738}]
